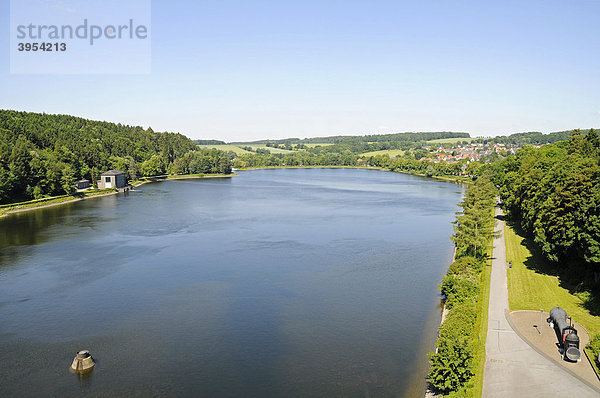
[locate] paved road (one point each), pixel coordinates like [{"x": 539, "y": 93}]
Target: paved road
[{"x": 512, "y": 367}]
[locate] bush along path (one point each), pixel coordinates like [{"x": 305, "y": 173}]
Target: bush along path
[{"x": 457, "y": 364}]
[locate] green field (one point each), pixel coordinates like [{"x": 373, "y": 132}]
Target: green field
[
  {"x": 239, "y": 151},
  {"x": 531, "y": 286},
  {"x": 226, "y": 148},
  {"x": 390, "y": 152},
  {"x": 315, "y": 145},
  {"x": 272, "y": 150},
  {"x": 450, "y": 140}
]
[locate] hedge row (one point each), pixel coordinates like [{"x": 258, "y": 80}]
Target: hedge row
[{"x": 453, "y": 365}]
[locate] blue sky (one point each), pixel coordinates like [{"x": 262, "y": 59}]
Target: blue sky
[{"x": 242, "y": 70}]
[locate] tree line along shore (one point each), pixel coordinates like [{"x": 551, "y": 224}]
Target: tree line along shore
[
  {"x": 551, "y": 198},
  {"x": 549, "y": 186},
  {"x": 43, "y": 155}
]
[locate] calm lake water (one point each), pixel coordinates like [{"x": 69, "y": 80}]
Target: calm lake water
[{"x": 274, "y": 283}]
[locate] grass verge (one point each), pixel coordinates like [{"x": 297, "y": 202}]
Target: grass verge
[
  {"x": 482, "y": 324},
  {"x": 54, "y": 200},
  {"x": 532, "y": 284},
  {"x": 593, "y": 360},
  {"x": 390, "y": 152}
]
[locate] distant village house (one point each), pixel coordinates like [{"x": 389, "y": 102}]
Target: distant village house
[{"x": 112, "y": 179}]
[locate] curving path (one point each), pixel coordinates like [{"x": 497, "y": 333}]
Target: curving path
[{"x": 512, "y": 367}]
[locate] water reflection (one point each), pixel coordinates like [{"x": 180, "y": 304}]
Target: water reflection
[
  {"x": 273, "y": 283},
  {"x": 85, "y": 380}
]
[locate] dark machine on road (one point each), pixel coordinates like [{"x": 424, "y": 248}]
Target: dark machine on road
[{"x": 568, "y": 340}]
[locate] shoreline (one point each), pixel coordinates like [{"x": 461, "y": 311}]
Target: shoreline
[
  {"x": 442, "y": 178},
  {"x": 136, "y": 184},
  {"x": 31, "y": 204},
  {"x": 313, "y": 167},
  {"x": 429, "y": 391},
  {"x": 46, "y": 205}
]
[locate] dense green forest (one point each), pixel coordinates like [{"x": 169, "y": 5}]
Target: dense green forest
[
  {"x": 43, "y": 155},
  {"x": 208, "y": 142},
  {"x": 553, "y": 192}
]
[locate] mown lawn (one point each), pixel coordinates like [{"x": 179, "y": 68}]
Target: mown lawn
[
  {"x": 390, "y": 152},
  {"x": 226, "y": 148},
  {"x": 532, "y": 286}
]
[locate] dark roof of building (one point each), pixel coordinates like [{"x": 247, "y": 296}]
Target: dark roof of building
[{"x": 113, "y": 173}]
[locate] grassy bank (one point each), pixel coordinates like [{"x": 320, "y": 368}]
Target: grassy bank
[
  {"x": 52, "y": 201},
  {"x": 482, "y": 323},
  {"x": 533, "y": 284}
]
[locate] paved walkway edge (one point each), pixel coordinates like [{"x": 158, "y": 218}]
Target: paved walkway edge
[
  {"x": 512, "y": 367},
  {"x": 542, "y": 353}
]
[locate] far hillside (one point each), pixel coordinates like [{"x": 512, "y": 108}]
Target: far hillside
[
  {"x": 44, "y": 155},
  {"x": 413, "y": 145},
  {"x": 367, "y": 144},
  {"x": 533, "y": 137},
  {"x": 352, "y": 139}
]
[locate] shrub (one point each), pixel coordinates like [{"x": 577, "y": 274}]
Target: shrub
[
  {"x": 459, "y": 321},
  {"x": 459, "y": 289},
  {"x": 463, "y": 265},
  {"x": 452, "y": 365},
  {"x": 594, "y": 345}
]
